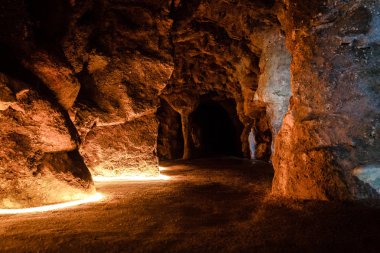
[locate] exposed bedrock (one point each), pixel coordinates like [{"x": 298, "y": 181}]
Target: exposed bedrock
[
  {"x": 39, "y": 159},
  {"x": 273, "y": 90},
  {"x": 123, "y": 62},
  {"x": 127, "y": 149},
  {"x": 57, "y": 76},
  {"x": 332, "y": 128},
  {"x": 217, "y": 48},
  {"x": 170, "y": 142},
  {"x": 105, "y": 62},
  {"x": 125, "y": 82},
  {"x": 114, "y": 103}
]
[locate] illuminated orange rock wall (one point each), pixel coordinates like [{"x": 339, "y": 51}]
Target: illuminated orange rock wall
[
  {"x": 123, "y": 62},
  {"x": 39, "y": 158},
  {"x": 332, "y": 125}
]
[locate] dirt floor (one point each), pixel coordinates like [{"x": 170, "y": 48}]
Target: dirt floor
[{"x": 216, "y": 205}]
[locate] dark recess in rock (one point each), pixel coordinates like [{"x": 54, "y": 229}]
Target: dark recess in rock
[
  {"x": 170, "y": 138},
  {"x": 216, "y": 129}
]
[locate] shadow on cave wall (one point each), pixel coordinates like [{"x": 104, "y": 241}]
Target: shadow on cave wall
[
  {"x": 260, "y": 137},
  {"x": 170, "y": 138}
]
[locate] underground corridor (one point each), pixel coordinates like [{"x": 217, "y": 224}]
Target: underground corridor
[
  {"x": 214, "y": 130},
  {"x": 189, "y": 126}
]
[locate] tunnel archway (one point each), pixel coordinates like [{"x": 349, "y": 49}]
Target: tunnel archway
[{"x": 216, "y": 129}]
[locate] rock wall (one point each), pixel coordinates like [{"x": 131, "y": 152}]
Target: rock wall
[
  {"x": 170, "y": 144},
  {"x": 124, "y": 63},
  {"x": 217, "y": 47},
  {"x": 273, "y": 90},
  {"x": 101, "y": 62},
  {"x": 127, "y": 149},
  {"x": 94, "y": 73},
  {"x": 332, "y": 125},
  {"x": 39, "y": 158}
]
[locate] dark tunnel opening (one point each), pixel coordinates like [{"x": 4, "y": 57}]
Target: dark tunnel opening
[{"x": 216, "y": 129}]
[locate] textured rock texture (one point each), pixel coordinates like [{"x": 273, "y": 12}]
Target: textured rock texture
[
  {"x": 262, "y": 133},
  {"x": 124, "y": 63},
  {"x": 124, "y": 149},
  {"x": 217, "y": 49},
  {"x": 39, "y": 159},
  {"x": 170, "y": 144},
  {"x": 106, "y": 62},
  {"x": 333, "y": 121},
  {"x": 273, "y": 90},
  {"x": 56, "y": 76},
  {"x": 131, "y": 75}
]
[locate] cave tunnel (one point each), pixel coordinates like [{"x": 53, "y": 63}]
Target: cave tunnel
[
  {"x": 215, "y": 129},
  {"x": 128, "y": 123}
]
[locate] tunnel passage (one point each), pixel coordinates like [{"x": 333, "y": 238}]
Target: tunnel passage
[
  {"x": 216, "y": 129},
  {"x": 170, "y": 138}
]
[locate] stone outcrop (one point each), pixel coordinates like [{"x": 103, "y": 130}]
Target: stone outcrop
[
  {"x": 56, "y": 76},
  {"x": 273, "y": 90},
  {"x": 124, "y": 63},
  {"x": 39, "y": 160},
  {"x": 124, "y": 149},
  {"x": 332, "y": 125}
]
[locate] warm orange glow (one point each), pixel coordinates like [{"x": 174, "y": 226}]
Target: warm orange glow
[
  {"x": 162, "y": 168},
  {"x": 129, "y": 178},
  {"x": 94, "y": 198}
]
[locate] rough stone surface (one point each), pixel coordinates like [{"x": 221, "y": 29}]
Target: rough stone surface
[
  {"x": 217, "y": 48},
  {"x": 369, "y": 174},
  {"x": 56, "y": 76},
  {"x": 124, "y": 63},
  {"x": 262, "y": 131},
  {"x": 105, "y": 61},
  {"x": 332, "y": 125},
  {"x": 273, "y": 90},
  {"x": 170, "y": 144},
  {"x": 127, "y": 149},
  {"x": 109, "y": 64},
  {"x": 39, "y": 159}
]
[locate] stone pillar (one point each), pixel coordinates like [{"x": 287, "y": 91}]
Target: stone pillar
[
  {"x": 186, "y": 136},
  {"x": 184, "y": 104}
]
